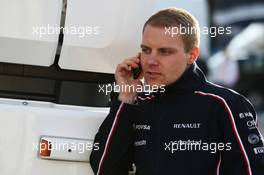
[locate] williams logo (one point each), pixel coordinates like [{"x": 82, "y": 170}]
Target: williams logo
[{"x": 186, "y": 125}]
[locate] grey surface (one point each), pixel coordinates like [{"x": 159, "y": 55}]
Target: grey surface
[{"x": 261, "y": 122}]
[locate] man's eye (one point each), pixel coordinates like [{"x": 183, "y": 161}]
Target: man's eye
[
  {"x": 165, "y": 52},
  {"x": 146, "y": 51}
]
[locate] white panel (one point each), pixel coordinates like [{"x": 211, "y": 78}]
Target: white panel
[
  {"x": 117, "y": 37},
  {"x": 119, "y": 34},
  {"x": 22, "y": 125},
  {"x": 27, "y": 32}
]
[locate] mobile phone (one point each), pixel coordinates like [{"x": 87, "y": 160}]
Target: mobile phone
[{"x": 136, "y": 71}]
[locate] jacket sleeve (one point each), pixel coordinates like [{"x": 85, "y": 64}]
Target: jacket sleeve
[
  {"x": 239, "y": 127},
  {"x": 114, "y": 140}
]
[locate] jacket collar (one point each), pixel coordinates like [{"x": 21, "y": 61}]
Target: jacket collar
[{"x": 191, "y": 80}]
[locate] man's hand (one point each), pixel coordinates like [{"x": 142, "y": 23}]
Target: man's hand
[{"x": 126, "y": 82}]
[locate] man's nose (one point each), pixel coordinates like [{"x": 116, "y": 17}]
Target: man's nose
[{"x": 153, "y": 60}]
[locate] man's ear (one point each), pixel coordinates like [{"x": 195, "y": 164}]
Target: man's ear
[{"x": 194, "y": 53}]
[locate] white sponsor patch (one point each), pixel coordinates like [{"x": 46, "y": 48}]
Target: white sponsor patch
[
  {"x": 251, "y": 124},
  {"x": 186, "y": 125},
  {"x": 140, "y": 143},
  {"x": 245, "y": 115},
  {"x": 259, "y": 150},
  {"x": 142, "y": 127}
]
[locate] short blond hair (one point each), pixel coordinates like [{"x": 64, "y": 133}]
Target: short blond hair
[{"x": 175, "y": 17}]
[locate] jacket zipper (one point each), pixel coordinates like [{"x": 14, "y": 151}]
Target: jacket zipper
[{"x": 157, "y": 112}]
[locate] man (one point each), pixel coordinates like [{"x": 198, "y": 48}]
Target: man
[{"x": 191, "y": 127}]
